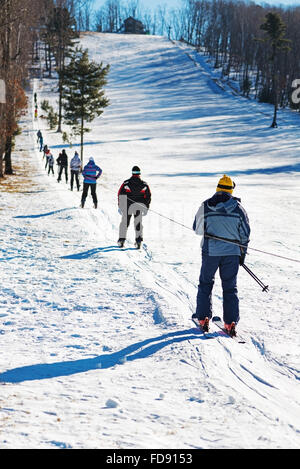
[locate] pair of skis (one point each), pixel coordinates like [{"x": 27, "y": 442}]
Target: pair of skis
[{"x": 219, "y": 323}]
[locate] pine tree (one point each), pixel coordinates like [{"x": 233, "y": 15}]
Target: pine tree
[
  {"x": 83, "y": 94},
  {"x": 60, "y": 35},
  {"x": 275, "y": 29}
]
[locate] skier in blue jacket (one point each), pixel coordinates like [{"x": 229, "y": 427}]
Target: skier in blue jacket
[
  {"x": 221, "y": 216},
  {"x": 91, "y": 172}
]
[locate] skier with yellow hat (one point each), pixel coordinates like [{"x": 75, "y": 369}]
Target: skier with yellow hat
[
  {"x": 224, "y": 224},
  {"x": 225, "y": 184}
]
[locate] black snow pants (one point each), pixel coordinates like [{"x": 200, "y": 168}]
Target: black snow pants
[{"x": 86, "y": 186}]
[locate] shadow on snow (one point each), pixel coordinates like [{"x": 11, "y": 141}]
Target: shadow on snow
[
  {"x": 274, "y": 170},
  {"x": 45, "y": 214},
  {"x": 139, "y": 350},
  {"x": 92, "y": 252}
]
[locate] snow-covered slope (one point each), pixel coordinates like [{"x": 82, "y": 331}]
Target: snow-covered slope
[{"x": 98, "y": 349}]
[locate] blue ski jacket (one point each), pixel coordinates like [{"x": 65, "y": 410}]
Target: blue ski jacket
[
  {"x": 91, "y": 173},
  {"x": 222, "y": 215}
]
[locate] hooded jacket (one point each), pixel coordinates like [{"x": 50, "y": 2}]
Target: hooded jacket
[
  {"x": 75, "y": 163},
  {"x": 62, "y": 159},
  {"x": 222, "y": 215},
  {"x": 91, "y": 173},
  {"x": 50, "y": 159}
]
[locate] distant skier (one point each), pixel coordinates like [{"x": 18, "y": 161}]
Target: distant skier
[
  {"x": 50, "y": 162},
  {"x": 224, "y": 217},
  {"x": 47, "y": 155},
  {"x": 39, "y": 135},
  {"x": 41, "y": 143},
  {"x": 91, "y": 173},
  {"x": 44, "y": 150},
  {"x": 134, "y": 198},
  {"x": 75, "y": 166},
  {"x": 62, "y": 161}
]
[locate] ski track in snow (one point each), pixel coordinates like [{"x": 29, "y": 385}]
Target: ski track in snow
[{"x": 98, "y": 346}]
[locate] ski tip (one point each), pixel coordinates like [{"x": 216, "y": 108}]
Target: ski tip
[
  {"x": 195, "y": 322},
  {"x": 216, "y": 318}
]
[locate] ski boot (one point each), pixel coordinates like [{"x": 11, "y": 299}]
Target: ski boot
[
  {"x": 121, "y": 243},
  {"x": 230, "y": 329},
  {"x": 202, "y": 323},
  {"x": 138, "y": 244}
]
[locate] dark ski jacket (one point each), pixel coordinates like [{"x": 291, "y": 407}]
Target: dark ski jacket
[
  {"x": 62, "y": 159},
  {"x": 136, "y": 191}
]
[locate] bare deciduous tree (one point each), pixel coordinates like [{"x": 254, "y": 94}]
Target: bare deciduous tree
[{"x": 18, "y": 22}]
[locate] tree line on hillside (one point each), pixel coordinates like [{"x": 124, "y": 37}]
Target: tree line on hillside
[
  {"x": 110, "y": 17},
  {"x": 17, "y": 28},
  {"x": 258, "y": 46},
  {"x": 231, "y": 32}
]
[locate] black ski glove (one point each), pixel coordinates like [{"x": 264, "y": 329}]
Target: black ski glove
[{"x": 242, "y": 257}]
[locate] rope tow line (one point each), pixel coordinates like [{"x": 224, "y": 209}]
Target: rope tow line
[
  {"x": 253, "y": 249},
  {"x": 217, "y": 237}
]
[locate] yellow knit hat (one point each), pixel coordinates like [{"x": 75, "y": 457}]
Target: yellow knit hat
[{"x": 226, "y": 184}]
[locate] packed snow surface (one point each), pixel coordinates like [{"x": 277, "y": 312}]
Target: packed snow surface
[{"x": 98, "y": 348}]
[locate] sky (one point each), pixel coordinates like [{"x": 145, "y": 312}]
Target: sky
[{"x": 174, "y": 3}]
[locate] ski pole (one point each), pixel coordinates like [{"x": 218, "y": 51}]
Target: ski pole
[{"x": 260, "y": 283}]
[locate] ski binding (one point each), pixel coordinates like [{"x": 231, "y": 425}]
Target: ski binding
[{"x": 219, "y": 323}]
